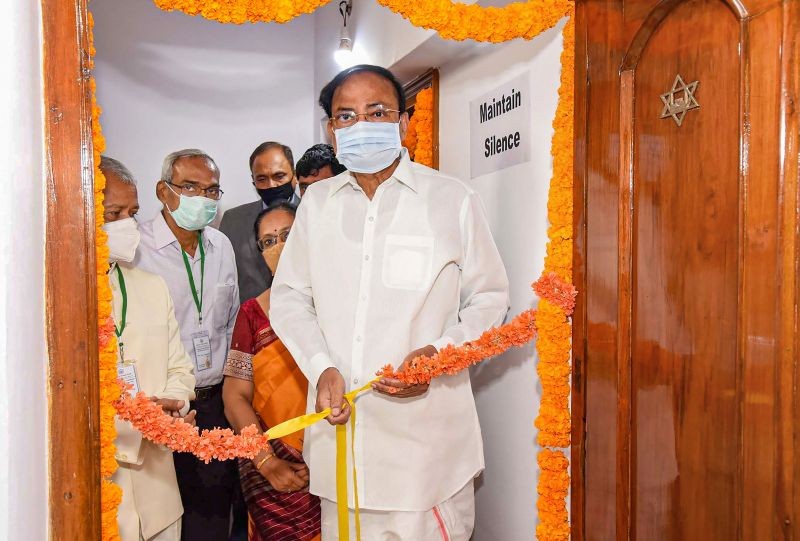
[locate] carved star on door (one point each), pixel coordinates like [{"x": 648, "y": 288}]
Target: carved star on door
[{"x": 679, "y": 100}]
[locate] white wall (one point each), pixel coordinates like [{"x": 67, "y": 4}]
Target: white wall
[
  {"x": 23, "y": 355},
  {"x": 327, "y": 23},
  {"x": 507, "y": 389},
  {"x": 381, "y": 36},
  {"x": 168, "y": 81}
]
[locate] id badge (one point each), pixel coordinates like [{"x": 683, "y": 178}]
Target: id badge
[
  {"x": 202, "y": 350},
  {"x": 127, "y": 373}
]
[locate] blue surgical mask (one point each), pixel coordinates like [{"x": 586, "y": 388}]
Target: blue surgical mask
[
  {"x": 368, "y": 147},
  {"x": 193, "y": 213}
]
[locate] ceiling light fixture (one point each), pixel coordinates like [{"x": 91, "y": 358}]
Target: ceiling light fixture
[{"x": 344, "y": 53}]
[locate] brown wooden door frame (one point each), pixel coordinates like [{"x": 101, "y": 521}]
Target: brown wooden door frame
[
  {"x": 70, "y": 277},
  {"x": 580, "y": 172}
]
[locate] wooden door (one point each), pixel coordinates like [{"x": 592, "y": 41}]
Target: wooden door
[{"x": 685, "y": 376}]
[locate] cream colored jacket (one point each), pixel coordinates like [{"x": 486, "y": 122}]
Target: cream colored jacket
[{"x": 153, "y": 345}]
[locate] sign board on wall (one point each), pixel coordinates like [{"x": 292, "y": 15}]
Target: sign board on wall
[{"x": 500, "y": 127}]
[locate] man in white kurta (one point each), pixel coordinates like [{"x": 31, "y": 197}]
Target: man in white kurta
[
  {"x": 152, "y": 359},
  {"x": 365, "y": 279},
  {"x": 151, "y": 506}
]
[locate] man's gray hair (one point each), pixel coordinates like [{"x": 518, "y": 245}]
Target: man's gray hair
[
  {"x": 116, "y": 167},
  {"x": 169, "y": 161}
]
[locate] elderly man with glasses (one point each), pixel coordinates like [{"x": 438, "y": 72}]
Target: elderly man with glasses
[
  {"x": 197, "y": 263},
  {"x": 385, "y": 262},
  {"x": 152, "y": 360}
]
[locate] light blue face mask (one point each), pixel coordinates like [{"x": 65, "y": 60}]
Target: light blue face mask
[
  {"x": 193, "y": 213},
  {"x": 368, "y": 147}
]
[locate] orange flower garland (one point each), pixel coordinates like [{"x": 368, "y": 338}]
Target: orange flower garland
[
  {"x": 519, "y": 331},
  {"x": 554, "y": 344},
  {"x": 217, "y": 444},
  {"x": 243, "y": 11},
  {"x": 410, "y": 140},
  {"x": 451, "y": 19},
  {"x": 423, "y": 117},
  {"x": 552, "y": 489},
  {"x": 110, "y": 494},
  {"x": 419, "y": 136},
  {"x": 457, "y": 21},
  {"x": 222, "y": 444},
  {"x": 452, "y": 360}
]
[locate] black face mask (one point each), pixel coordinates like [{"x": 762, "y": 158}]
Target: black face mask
[{"x": 269, "y": 195}]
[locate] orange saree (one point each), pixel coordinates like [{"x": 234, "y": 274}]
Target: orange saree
[
  {"x": 279, "y": 393},
  {"x": 280, "y": 389}
]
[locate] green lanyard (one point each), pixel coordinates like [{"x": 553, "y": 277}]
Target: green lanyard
[
  {"x": 198, "y": 301},
  {"x": 119, "y": 329}
]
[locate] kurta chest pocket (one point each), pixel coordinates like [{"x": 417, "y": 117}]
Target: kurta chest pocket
[
  {"x": 407, "y": 262},
  {"x": 223, "y": 303}
]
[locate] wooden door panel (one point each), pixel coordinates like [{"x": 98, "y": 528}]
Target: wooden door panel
[
  {"x": 686, "y": 328},
  {"x": 596, "y": 364},
  {"x": 761, "y": 389},
  {"x": 685, "y": 235}
]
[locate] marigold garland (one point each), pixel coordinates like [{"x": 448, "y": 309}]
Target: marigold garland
[
  {"x": 451, "y": 19},
  {"x": 519, "y": 331},
  {"x": 222, "y": 444},
  {"x": 553, "y": 344},
  {"x": 110, "y": 494},
  {"x": 552, "y": 489},
  {"x": 423, "y": 116},
  {"x": 410, "y": 140},
  {"x": 243, "y": 11},
  {"x": 419, "y": 135},
  {"x": 457, "y": 21}
]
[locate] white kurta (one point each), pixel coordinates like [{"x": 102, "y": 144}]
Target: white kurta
[
  {"x": 360, "y": 284},
  {"x": 151, "y": 500}
]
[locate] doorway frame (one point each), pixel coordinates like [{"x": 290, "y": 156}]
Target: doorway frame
[{"x": 70, "y": 275}]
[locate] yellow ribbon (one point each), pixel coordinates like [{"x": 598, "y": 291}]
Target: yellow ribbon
[{"x": 304, "y": 421}]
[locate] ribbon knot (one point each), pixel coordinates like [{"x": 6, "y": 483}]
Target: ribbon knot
[{"x": 304, "y": 421}]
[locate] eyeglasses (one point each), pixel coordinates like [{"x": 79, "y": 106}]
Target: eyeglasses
[
  {"x": 191, "y": 190},
  {"x": 268, "y": 241},
  {"x": 378, "y": 113}
]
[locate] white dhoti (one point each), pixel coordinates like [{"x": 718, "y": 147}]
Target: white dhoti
[{"x": 451, "y": 520}]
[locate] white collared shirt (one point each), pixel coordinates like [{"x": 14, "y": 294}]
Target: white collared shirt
[
  {"x": 160, "y": 253},
  {"x": 360, "y": 284}
]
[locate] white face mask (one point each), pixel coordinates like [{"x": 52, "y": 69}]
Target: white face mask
[
  {"x": 123, "y": 238},
  {"x": 368, "y": 147}
]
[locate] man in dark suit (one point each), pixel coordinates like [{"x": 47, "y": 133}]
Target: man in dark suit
[{"x": 272, "y": 171}]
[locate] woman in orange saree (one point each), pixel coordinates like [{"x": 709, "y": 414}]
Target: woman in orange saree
[{"x": 264, "y": 385}]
